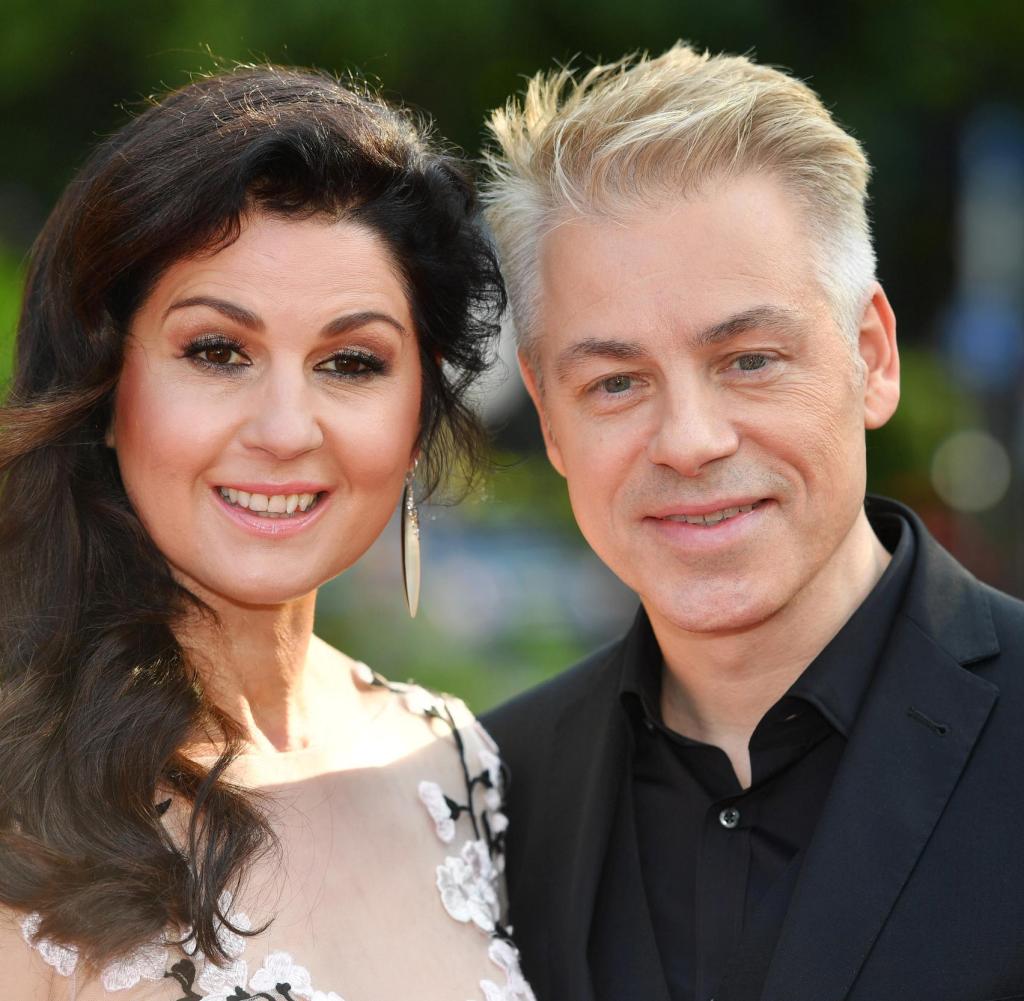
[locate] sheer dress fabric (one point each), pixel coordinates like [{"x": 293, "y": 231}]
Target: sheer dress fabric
[{"x": 388, "y": 884}]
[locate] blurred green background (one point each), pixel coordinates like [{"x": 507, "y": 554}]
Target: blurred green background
[{"x": 511, "y": 593}]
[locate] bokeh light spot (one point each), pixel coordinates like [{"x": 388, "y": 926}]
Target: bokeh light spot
[{"x": 971, "y": 471}]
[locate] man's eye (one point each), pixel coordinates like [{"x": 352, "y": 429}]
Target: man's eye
[
  {"x": 751, "y": 363},
  {"x": 617, "y": 384}
]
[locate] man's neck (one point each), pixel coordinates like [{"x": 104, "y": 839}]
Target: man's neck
[{"x": 717, "y": 687}]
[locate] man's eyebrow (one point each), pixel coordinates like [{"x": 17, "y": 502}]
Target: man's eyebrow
[
  {"x": 246, "y": 318},
  {"x": 239, "y": 314},
  {"x": 756, "y": 318},
  {"x": 595, "y": 347}
]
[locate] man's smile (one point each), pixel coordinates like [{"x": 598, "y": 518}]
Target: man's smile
[{"x": 718, "y": 513}]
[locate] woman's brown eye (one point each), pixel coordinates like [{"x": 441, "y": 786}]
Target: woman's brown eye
[
  {"x": 218, "y": 356},
  {"x": 351, "y": 364}
]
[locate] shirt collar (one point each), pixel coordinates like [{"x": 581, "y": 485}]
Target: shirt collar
[
  {"x": 836, "y": 681},
  {"x": 640, "y": 687}
]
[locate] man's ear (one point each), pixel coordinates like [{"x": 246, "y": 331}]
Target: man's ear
[
  {"x": 530, "y": 378},
  {"x": 877, "y": 348}
]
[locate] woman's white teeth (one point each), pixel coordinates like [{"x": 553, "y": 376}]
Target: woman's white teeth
[
  {"x": 272, "y": 505},
  {"x": 713, "y": 517}
]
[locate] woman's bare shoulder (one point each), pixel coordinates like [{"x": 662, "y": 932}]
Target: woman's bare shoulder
[{"x": 25, "y": 972}]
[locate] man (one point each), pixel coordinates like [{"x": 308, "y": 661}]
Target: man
[{"x": 800, "y": 776}]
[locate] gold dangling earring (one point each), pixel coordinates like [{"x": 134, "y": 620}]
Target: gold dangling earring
[{"x": 410, "y": 545}]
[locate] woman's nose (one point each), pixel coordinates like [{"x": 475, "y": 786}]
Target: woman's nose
[{"x": 283, "y": 420}]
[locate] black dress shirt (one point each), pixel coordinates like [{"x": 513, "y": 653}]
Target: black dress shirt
[{"x": 710, "y": 852}]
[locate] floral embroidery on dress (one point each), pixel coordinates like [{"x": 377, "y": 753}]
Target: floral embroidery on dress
[
  {"x": 278, "y": 979},
  {"x": 468, "y": 882},
  {"x": 62, "y": 958},
  {"x": 278, "y": 968},
  {"x": 505, "y": 955},
  {"x": 440, "y": 809},
  {"x": 147, "y": 962}
]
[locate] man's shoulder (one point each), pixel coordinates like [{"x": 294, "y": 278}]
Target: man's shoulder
[
  {"x": 950, "y": 604},
  {"x": 1007, "y": 611},
  {"x": 980, "y": 625},
  {"x": 1008, "y": 621}
]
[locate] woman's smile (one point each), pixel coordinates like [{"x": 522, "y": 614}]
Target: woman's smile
[
  {"x": 272, "y": 505},
  {"x": 275, "y": 524}
]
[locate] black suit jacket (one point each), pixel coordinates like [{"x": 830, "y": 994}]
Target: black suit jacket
[{"x": 913, "y": 884}]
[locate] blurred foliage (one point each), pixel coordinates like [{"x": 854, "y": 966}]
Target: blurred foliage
[
  {"x": 932, "y": 406},
  {"x": 10, "y": 302},
  {"x": 902, "y": 75},
  {"x": 522, "y": 490},
  {"x": 404, "y": 650}
]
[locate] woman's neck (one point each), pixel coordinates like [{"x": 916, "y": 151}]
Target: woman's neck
[{"x": 263, "y": 667}]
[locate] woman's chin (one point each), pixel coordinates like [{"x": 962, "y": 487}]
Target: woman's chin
[{"x": 251, "y": 592}]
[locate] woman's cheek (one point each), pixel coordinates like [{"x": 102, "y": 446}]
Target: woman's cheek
[{"x": 380, "y": 443}]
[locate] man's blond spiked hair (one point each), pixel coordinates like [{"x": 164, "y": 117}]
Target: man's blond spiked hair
[{"x": 638, "y": 132}]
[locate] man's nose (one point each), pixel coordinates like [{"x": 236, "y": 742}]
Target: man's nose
[
  {"x": 282, "y": 420},
  {"x": 693, "y": 430}
]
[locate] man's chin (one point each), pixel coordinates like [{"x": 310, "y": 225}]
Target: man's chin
[{"x": 710, "y": 613}]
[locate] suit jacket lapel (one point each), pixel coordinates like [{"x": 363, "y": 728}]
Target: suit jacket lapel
[
  {"x": 589, "y": 758},
  {"x": 913, "y": 737},
  {"x": 586, "y": 760}
]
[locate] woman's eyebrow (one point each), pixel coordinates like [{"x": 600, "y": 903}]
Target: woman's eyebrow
[
  {"x": 247, "y": 318},
  {"x": 351, "y": 321},
  {"x": 239, "y": 314}
]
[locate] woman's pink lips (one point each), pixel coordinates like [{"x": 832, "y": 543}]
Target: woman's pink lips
[{"x": 275, "y": 528}]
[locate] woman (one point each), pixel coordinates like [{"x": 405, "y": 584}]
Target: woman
[{"x": 251, "y": 316}]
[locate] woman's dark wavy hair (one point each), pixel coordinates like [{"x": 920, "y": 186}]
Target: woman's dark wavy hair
[{"x": 96, "y": 696}]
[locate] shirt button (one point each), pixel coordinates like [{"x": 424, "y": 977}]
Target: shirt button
[{"x": 729, "y": 817}]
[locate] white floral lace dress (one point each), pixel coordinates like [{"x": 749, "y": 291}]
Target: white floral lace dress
[{"x": 388, "y": 886}]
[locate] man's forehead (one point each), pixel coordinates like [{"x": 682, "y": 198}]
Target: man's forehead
[
  {"x": 737, "y": 256},
  {"x": 730, "y": 225}
]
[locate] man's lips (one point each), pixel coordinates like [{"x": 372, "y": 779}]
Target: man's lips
[
  {"x": 707, "y": 526},
  {"x": 711, "y": 513}
]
